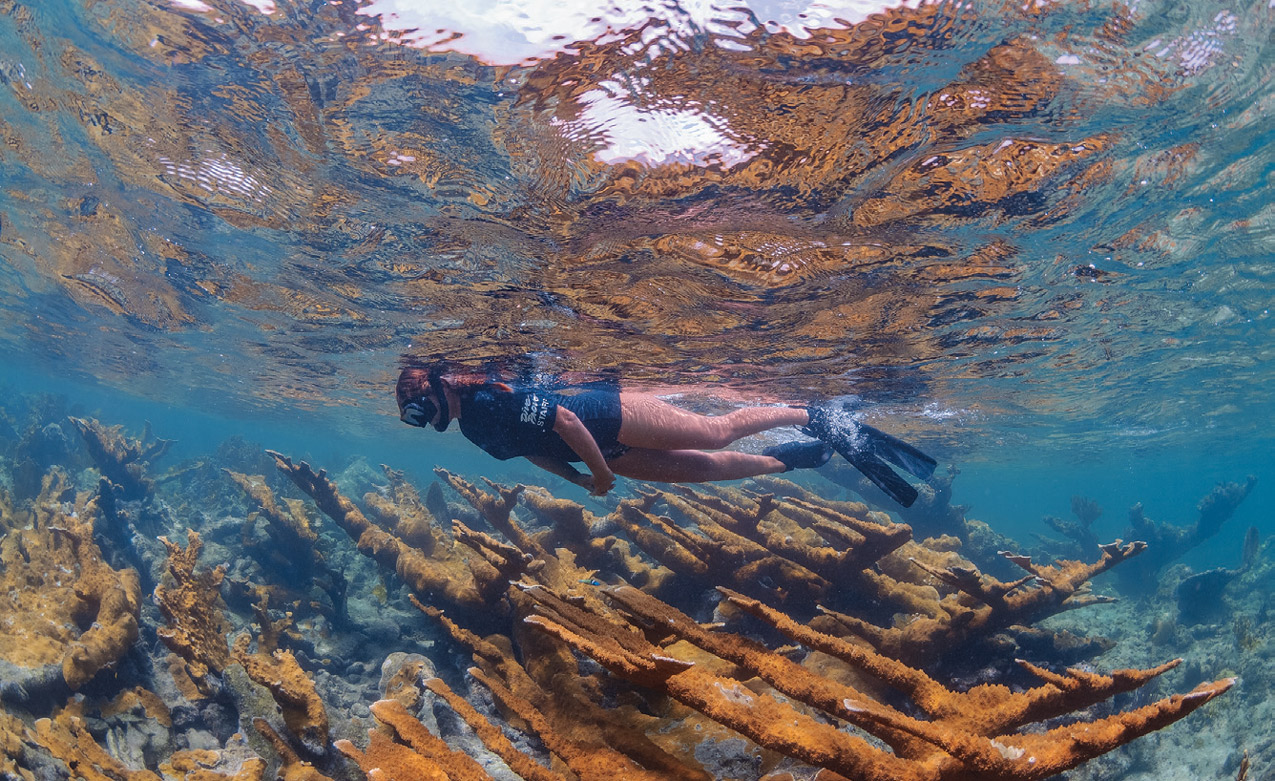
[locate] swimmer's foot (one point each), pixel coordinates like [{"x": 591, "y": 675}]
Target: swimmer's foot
[
  {"x": 800, "y": 455},
  {"x": 864, "y": 447}
]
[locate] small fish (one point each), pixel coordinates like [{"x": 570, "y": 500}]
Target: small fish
[{"x": 591, "y": 581}]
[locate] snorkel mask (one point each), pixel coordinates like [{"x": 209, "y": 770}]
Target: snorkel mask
[{"x": 421, "y": 410}]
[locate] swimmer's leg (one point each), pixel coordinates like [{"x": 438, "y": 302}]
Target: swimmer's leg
[
  {"x": 692, "y": 466},
  {"x": 648, "y": 422}
]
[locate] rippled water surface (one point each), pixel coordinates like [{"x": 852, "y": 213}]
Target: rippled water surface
[{"x": 1039, "y": 222}]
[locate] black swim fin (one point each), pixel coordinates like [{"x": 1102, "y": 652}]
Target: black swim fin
[
  {"x": 882, "y": 476},
  {"x": 896, "y": 451},
  {"x": 864, "y": 447}
]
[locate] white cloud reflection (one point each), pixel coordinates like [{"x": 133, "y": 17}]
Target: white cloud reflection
[
  {"x": 665, "y": 135},
  {"x": 522, "y": 32},
  {"x": 519, "y": 32}
]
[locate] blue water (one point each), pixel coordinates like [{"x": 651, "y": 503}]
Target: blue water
[{"x": 1035, "y": 241}]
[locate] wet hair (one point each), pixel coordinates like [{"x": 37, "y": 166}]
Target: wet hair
[
  {"x": 415, "y": 386},
  {"x": 413, "y": 382}
]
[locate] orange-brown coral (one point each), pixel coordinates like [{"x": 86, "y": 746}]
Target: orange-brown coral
[
  {"x": 292, "y": 689},
  {"x": 791, "y": 550},
  {"x": 984, "y": 605},
  {"x": 458, "y": 578},
  {"x": 404, "y": 748},
  {"x": 403, "y": 512},
  {"x": 468, "y": 570},
  {"x": 967, "y": 735},
  {"x": 12, "y": 746},
  {"x": 124, "y": 461},
  {"x": 67, "y": 613},
  {"x": 795, "y": 555},
  {"x": 291, "y": 556},
  {"x": 67, "y": 738},
  {"x": 289, "y": 529},
  {"x": 194, "y": 612},
  {"x": 545, "y": 692}
]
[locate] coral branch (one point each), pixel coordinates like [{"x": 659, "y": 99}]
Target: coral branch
[
  {"x": 292, "y": 689},
  {"x": 68, "y": 613},
  {"x": 457, "y": 579},
  {"x": 1168, "y": 542},
  {"x": 122, "y": 460},
  {"x": 418, "y": 754},
  {"x": 491, "y": 735},
  {"x": 194, "y": 611},
  {"x": 965, "y": 737},
  {"x": 595, "y": 743},
  {"x": 405, "y": 514},
  {"x": 496, "y": 510},
  {"x": 951, "y": 623},
  {"x": 291, "y": 554}
]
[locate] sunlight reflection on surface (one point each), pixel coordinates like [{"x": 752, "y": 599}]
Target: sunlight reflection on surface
[{"x": 1046, "y": 210}]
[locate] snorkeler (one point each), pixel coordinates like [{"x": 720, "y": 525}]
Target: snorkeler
[{"x": 639, "y": 436}]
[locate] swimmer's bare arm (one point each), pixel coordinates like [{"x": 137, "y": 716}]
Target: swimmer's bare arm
[
  {"x": 561, "y": 468},
  {"x": 578, "y": 438}
]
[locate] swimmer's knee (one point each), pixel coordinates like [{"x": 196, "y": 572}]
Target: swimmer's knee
[{"x": 721, "y": 432}]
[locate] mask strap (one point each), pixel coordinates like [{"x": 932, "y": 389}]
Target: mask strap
[{"x": 436, "y": 385}]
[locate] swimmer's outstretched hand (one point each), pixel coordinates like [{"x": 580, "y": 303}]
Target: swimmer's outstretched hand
[{"x": 597, "y": 485}]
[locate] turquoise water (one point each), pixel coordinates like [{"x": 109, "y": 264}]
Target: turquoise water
[{"x": 1035, "y": 239}]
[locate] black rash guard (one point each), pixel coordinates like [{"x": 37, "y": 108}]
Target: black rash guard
[{"x": 508, "y": 424}]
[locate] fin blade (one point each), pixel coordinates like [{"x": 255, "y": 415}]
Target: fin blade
[
  {"x": 898, "y": 452},
  {"x": 882, "y": 476}
]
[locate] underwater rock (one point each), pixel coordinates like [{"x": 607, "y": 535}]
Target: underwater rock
[
  {"x": 21, "y": 684},
  {"x": 291, "y": 766},
  {"x": 135, "y": 737},
  {"x": 403, "y": 676},
  {"x": 1200, "y": 596}
]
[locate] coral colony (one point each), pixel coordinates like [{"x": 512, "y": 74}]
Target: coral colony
[{"x": 828, "y": 644}]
